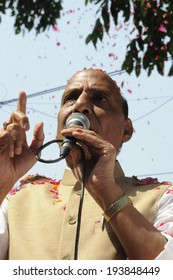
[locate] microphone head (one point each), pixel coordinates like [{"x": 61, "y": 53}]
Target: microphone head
[{"x": 78, "y": 119}]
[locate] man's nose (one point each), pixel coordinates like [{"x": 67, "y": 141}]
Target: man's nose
[{"x": 83, "y": 103}]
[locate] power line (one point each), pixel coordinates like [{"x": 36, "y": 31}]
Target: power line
[
  {"x": 155, "y": 109},
  {"x": 155, "y": 174},
  {"x": 40, "y": 93},
  {"x": 150, "y": 98},
  {"x": 42, "y": 113}
]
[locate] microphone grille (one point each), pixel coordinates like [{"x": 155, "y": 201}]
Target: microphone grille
[{"x": 78, "y": 119}]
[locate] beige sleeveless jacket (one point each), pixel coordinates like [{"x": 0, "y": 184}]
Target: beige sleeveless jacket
[{"x": 43, "y": 221}]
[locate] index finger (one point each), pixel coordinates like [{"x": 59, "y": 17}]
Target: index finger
[
  {"x": 21, "y": 106},
  {"x": 19, "y": 116}
]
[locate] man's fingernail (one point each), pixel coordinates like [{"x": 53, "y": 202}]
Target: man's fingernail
[
  {"x": 18, "y": 150},
  {"x": 26, "y": 126},
  {"x": 11, "y": 154}
]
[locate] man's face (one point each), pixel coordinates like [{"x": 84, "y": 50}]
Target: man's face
[{"x": 94, "y": 93}]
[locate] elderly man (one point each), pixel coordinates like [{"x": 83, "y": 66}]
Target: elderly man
[{"x": 121, "y": 218}]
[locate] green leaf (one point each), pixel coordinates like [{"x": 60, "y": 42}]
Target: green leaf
[
  {"x": 11, "y": 4},
  {"x": 88, "y": 39},
  {"x": 2, "y": 7},
  {"x": 171, "y": 71},
  {"x": 140, "y": 43},
  {"x": 105, "y": 16},
  {"x": 146, "y": 60},
  {"x": 128, "y": 63},
  {"x": 98, "y": 30},
  {"x": 144, "y": 10},
  {"x": 150, "y": 69},
  {"x": 138, "y": 67},
  {"x": 170, "y": 47},
  {"x": 114, "y": 12},
  {"x": 126, "y": 9},
  {"x": 96, "y": 34},
  {"x": 160, "y": 67},
  {"x": 138, "y": 70}
]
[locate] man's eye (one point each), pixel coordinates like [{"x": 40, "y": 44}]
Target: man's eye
[
  {"x": 100, "y": 97},
  {"x": 70, "y": 97}
]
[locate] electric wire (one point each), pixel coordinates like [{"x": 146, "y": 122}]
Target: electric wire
[
  {"x": 154, "y": 174},
  {"x": 42, "y": 113},
  {"x": 155, "y": 109},
  {"x": 36, "y": 94}
]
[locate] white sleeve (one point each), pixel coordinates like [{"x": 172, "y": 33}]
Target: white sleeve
[
  {"x": 164, "y": 223},
  {"x": 3, "y": 230}
]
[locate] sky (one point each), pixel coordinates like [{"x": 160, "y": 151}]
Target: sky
[{"x": 44, "y": 63}]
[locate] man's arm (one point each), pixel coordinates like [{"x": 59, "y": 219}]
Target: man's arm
[{"x": 16, "y": 156}]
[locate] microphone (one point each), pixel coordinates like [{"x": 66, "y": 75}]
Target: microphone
[{"x": 68, "y": 142}]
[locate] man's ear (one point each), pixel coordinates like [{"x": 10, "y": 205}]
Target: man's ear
[{"x": 128, "y": 130}]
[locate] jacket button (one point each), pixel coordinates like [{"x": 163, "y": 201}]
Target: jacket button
[{"x": 72, "y": 221}]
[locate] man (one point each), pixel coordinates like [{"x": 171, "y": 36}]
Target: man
[{"x": 40, "y": 229}]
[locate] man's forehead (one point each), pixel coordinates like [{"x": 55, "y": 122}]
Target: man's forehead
[
  {"x": 96, "y": 79},
  {"x": 91, "y": 78},
  {"x": 89, "y": 74}
]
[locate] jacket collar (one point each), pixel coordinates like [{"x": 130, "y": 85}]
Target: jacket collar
[{"x": 69, "y": 178}]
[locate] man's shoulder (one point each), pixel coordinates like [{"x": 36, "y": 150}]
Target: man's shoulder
[
  {"x": 34, "y": 180},
  {"x": 142, "y": 184},
  {"x": 35, "y": 188}
]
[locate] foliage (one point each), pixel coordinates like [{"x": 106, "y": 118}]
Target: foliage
[
  {"x": 151, "y": 21},
  {"x": 32, "y": 14}
]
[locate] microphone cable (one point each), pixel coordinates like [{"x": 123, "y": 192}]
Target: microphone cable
[{"x": 80, "y": 205}]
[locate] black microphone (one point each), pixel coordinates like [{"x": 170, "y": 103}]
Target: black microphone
[{"x": 68, "y": 142}]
